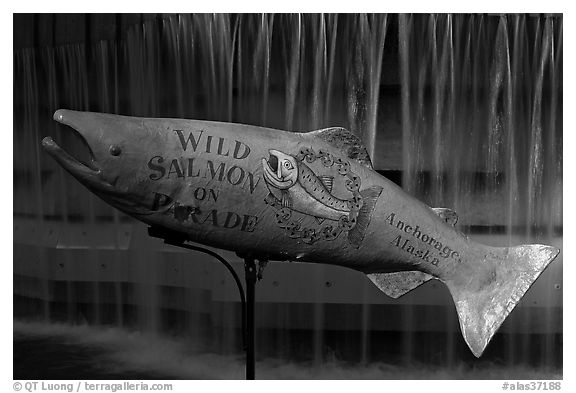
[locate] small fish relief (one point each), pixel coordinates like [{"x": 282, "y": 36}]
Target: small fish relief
[{"x": 294, "y": 187}]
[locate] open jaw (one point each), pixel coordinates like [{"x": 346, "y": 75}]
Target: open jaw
[
  {"x": 71, "y": 164},
  {"x": 81, "y": 169},
  {"x": 273, "y": 163}
]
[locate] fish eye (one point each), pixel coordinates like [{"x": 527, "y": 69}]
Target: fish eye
[
  {"x": 115, "y": 150},
  {"x": 288, "y": 165}
]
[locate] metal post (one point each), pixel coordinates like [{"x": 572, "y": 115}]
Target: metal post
[
  {"x": 251, "y": 277},
  {"x": 252, "y": 274}
]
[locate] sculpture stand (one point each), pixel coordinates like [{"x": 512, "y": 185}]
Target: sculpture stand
[{"x": 251, "y": 275}]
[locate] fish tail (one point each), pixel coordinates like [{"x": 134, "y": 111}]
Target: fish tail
[
  {"x": 369, "y": 198},
  {"x": 486, "y": 291}
]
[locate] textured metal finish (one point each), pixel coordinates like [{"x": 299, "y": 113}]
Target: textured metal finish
[
  {"x": 399, "y": 283},
  {"x": 310, "y": 197}
]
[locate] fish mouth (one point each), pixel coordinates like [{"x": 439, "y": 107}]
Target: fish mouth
[
  {"x": 85, "y": 168},
  {"x": 92, "y": 168},
  {"x": 273, "y": 162},
  {"x": 271, "y": 167},
  {"x": 66, "y": 160}
]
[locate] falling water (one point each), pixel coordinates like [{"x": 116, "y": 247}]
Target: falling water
[{"x": 467, "y": 108}]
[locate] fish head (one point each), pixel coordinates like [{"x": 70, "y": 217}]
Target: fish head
[
  {"x": 280, "y": 170},
  {"x": 116, "y": 152}
]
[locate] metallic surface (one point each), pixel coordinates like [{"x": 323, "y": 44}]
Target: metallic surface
[{"x": 205, "y": 180}]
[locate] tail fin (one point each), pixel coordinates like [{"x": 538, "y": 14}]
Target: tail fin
[{"x": 484, "y": 301}]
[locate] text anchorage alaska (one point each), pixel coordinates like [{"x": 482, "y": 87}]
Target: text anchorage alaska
[{"x": 413, "y": 234}]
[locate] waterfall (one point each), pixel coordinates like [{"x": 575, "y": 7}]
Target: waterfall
[{"x": 465, "y": 111}]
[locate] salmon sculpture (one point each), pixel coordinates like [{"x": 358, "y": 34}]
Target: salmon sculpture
[{"x": 285, "y": 196}]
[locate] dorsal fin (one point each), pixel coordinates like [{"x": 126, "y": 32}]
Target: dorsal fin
[
  {"x": 328, "y": 181},
  {"x": 346, "y": 141},
  {"x": 447, "y": 215}
]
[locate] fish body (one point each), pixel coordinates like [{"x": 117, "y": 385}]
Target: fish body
[{"x": 310, "y": 197}]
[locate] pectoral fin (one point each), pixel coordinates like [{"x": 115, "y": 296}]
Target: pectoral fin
[
  {"x": 398, "y": 283},
  {"x": 286, "y": 199}
]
